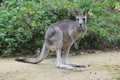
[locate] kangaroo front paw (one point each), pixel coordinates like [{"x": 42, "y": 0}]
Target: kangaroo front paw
[{"x": 76, "y": 46}]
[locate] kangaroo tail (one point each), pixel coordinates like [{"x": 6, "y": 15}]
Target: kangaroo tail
[{"x": 42, "y": 56}]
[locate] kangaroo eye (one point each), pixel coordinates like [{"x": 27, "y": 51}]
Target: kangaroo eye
[
  {"x": 77, "y": 19},
  {"x": 83, "y": 19}
]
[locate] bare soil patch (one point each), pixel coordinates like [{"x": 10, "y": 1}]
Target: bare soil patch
[{"x": 103, "y": 66}]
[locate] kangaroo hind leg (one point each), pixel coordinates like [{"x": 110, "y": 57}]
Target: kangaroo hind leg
[
  {"x": 65, "y": 57},
  {"x": 59, "y": 61}
]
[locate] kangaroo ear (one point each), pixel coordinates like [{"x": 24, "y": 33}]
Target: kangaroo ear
[
  {"x": 76, "y": 11},
  {"x": 86, "y": 11}
]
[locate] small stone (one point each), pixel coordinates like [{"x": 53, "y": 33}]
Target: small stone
[
  {"x": 81, "y": 53},
  {"x": 90, "y": 72},
  {"x": 88, "y": 65}
]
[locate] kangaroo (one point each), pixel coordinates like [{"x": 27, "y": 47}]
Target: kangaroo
[{"x": 59, "y": 37}]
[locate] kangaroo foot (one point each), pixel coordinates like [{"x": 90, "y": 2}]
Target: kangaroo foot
[
  {"x": 75, "y": 65},
  {"x": 65, "y": 66}
]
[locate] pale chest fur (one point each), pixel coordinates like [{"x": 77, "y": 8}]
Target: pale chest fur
[{"x": 80, "y": 31}]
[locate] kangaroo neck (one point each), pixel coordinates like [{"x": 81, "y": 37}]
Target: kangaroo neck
[{"x": 81, "y": 30}]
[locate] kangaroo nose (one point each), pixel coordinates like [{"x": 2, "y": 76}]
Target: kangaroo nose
[{"x": 80, "y": 24}]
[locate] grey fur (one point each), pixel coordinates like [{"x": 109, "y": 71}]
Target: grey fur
[{"x": 59, "y": 37}]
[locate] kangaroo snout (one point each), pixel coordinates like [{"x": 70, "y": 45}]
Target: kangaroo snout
[{"x": 80, "y": 24}]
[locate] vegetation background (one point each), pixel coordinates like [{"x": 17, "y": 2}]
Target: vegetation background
[{"x": 23, "y": 23}]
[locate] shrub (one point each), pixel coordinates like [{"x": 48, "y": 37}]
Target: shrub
[{"x": 23, "y": 23}]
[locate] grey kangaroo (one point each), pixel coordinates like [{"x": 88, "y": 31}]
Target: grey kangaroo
[{"x": 59, "y": 37}]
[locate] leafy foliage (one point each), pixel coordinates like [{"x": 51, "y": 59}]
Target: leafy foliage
[{"x": 23, "y": 23}]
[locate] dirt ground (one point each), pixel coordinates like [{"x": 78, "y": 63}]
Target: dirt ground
[{"x": 102, "y": 66}]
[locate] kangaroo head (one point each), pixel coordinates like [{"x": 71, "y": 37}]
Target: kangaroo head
[{"x": 81, "y": 19}]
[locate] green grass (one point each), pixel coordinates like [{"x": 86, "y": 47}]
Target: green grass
[{"x": 114, "y": 71}]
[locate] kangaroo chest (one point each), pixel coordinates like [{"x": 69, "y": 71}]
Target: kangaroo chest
[{"x": 80, "y": 31}]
